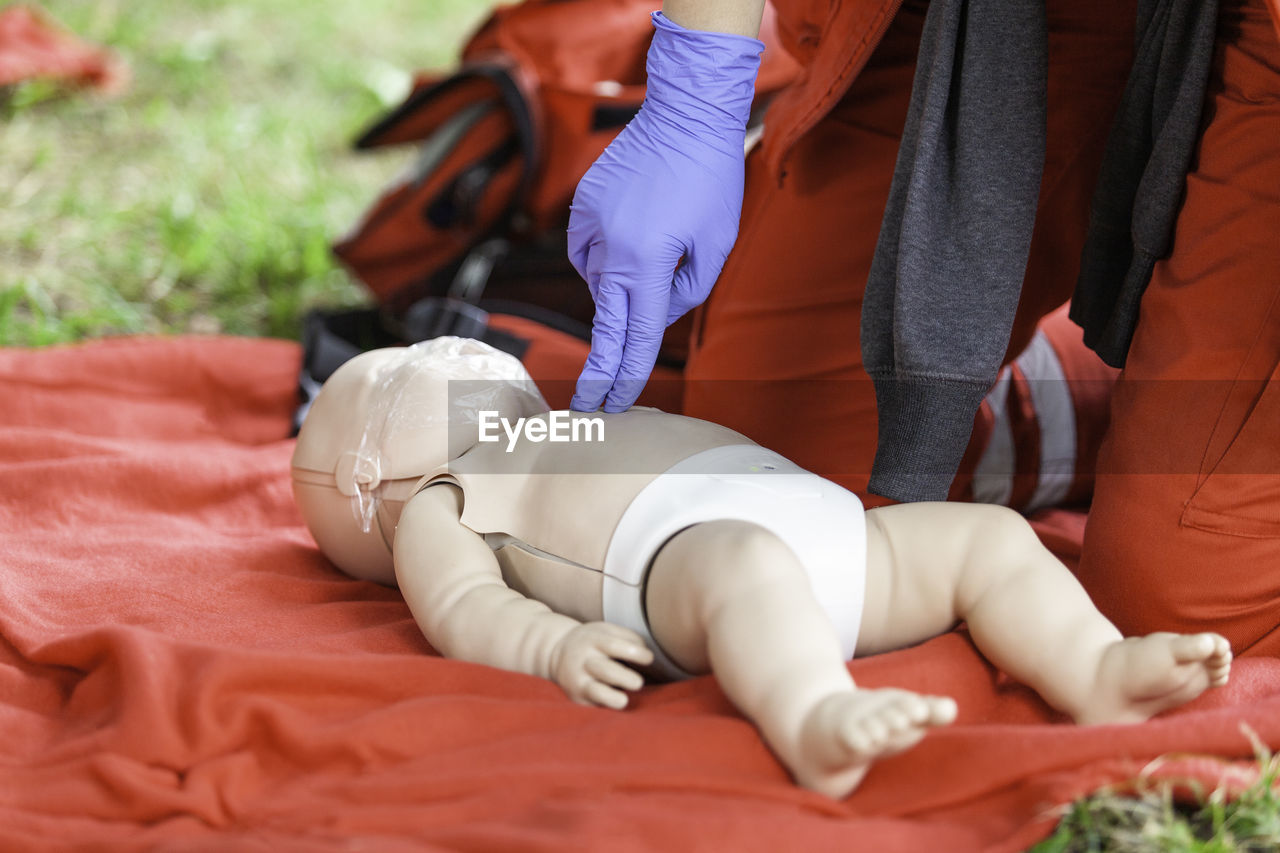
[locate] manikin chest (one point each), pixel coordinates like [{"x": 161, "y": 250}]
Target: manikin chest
[{"x": 549, "y": 509}]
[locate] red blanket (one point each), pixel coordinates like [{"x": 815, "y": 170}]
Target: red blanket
[
  {"x": 179, "y": 666},
  {"x": 32, "y": 46}
]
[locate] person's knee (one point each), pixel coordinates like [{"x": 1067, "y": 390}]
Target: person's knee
[{"x": 1148, "y": 577}]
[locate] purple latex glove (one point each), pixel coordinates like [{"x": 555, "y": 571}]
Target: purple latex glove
[{"x": 656, "y": 215}]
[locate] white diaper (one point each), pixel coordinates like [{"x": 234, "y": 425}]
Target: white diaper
[{"x": 819, "y": 521}]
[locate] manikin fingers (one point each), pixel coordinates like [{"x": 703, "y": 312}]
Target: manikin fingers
[
  {"x": 602, "y": 694},
  {"x": 627, "y": 647},
  {"x": 613, "y": 673}
]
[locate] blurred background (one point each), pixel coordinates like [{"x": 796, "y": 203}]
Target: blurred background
[{"x": 202, "y": 198}]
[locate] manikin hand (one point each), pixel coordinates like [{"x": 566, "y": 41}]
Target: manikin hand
[
  {"x": 585, "y": 663},
  {"x": 656, "y": 215}
]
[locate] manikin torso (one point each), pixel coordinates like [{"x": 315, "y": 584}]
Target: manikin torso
[
  {"x": 573, "y": 524},
  {"x": 549, "y": 509}
]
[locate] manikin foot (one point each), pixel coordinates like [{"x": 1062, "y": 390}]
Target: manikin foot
[
  {"x": 1142, "y": 676},
  {"x": 844, "y": 732}
]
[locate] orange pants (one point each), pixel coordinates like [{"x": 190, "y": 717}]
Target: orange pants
[
  {"x": 776, "y": 352},
  {"x": 1184, "y": 533}
]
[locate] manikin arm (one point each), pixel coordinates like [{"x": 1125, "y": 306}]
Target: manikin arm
[{"x": 454, "y": 587}]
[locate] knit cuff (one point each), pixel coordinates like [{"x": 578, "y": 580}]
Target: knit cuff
[{"x": 924, "y": 428}]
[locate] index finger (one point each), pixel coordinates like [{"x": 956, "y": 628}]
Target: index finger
[
  {"x": 646, "y": 322},
  {"x": 608, "y": 339}
]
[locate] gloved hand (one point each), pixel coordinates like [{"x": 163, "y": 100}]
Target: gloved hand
[{"x": 656, "y": 215}]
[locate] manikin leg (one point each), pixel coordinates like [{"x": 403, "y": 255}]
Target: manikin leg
[
  {"x": 1025, "y": 611},
  {"x": 729, "y": 597}
]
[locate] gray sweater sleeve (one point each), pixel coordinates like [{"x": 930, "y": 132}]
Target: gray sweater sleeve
[{"x": 948, "y": 268}]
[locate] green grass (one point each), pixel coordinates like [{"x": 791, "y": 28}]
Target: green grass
[
  {"x": 1109, "y": 822},
  {"x": 204, "y": 198}
]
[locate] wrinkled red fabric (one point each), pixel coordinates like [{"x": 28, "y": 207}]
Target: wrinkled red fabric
[
  {"x": 181, "y": 669},
  {"x": 32, "y": 46}
]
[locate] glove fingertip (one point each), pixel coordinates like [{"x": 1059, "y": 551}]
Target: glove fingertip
[
  {"x": 623, "y": 396},
  {"x": 581, "y": 403}
]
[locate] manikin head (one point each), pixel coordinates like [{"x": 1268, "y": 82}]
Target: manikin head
[{"x": 381, "y": 422}]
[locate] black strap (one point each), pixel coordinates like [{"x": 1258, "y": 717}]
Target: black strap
[
  {"x": 332, "y": 338},
  {"x": 513, "y": 97}
]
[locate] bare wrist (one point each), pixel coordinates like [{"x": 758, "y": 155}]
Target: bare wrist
[{"x": 731, "y": 17}]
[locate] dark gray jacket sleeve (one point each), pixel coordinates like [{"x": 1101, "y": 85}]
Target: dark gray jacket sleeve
[
  {"x": 1144, "y": 170},
  {"x": 952, "y": 252}
]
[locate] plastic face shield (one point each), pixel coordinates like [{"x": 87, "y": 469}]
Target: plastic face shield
[{"x": 400, "y": 413}]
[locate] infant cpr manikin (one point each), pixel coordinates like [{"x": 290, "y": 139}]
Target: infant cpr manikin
[{"x": 677, "y": 547}]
